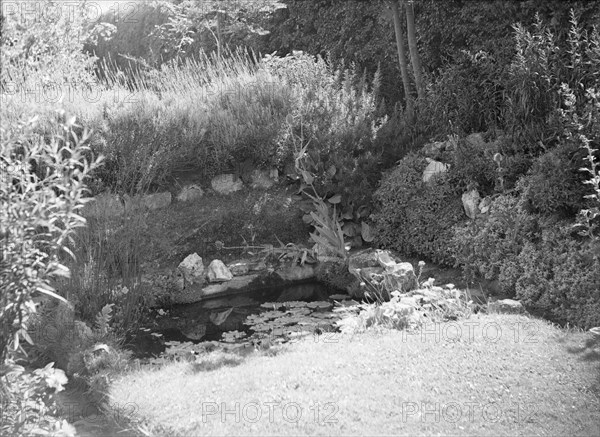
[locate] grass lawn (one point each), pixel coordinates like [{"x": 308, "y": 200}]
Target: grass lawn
[{"x": 489, "y": 375}]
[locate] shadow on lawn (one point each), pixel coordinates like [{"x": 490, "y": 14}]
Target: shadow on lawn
[{"x": 218, "y": 359}]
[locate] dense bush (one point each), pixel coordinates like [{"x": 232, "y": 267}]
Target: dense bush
[
  {"x": 489, "y": 246},
  {"x": 472, "y": 166},
  {"x": 416, "y": 218},
  {"x": 560, "y": 277},
  {"x": 554, "y": 184}
]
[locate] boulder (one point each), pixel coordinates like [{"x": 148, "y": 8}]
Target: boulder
[
  {"x": 192, "y": 269},
  {"x": 104, "y": 205},
  {"x": 190, "y": 193},
  {"x": 296, "y": 273},
  {"x": 506, "y": 306},
  {"x": 471, "y": 200},
  {"x": 362, "y": 259},
  {"x": 157, "y": 201},
  {"x": 226, "y": 183},
  {"x": 218, "y": 272},
  {"x": 261, "y": 179},
  {"x": 434, "y": 167}
]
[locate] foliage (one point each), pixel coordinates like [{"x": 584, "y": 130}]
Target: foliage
[
  {"x": 206, "y": 114},
  {"x": 584, "y": 129},
  {"x": 214, "y": 24},
  {"x": 91, "y": 355},
  {"x": 561, "y": 277},
  {"x": 408, "y": 311},
  {"x": 554, "y": 185},
  {"x": 335, "y": 108},
  {"x": 45, "y": 49},
  {"x": 29, "y": 404},
  {"x": 490, "y": 244},
  {"x": 328, "y": 235},
  {"x": 416, "y": 218},
  {"x": 472, "y": 166},
  {"x": 39, "y": 215}
]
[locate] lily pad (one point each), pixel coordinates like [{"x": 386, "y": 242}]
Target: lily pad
[{"x": 320, "y": 305}]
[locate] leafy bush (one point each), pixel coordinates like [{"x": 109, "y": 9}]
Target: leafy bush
[
  {"x": 45, "y": 49},
  {"x": 554, "y": 184},
  {"x": 490, "y": 245},
  {"x": 38, "y": 216},
  {"x": 561, "y": 277},
  {"x": 416, "y": 218},
  {"x": 335, "y": 109},
  {"x": 472, "y": 166},
  {"x": 29, "y": 404},
  {"x": 89, "y": 353}
]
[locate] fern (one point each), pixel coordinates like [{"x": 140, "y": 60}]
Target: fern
[{"x": 103, "y": 319}]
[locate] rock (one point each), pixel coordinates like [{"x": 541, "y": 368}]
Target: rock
[
  {"x": 402, "y": 280},
  {"x": 261, "y": 179},
  {"x": 104, "y": 205},
  {"x": 506, "y": 306},
  {"x": 470, "y": 202},
  {"x": 157, "y": 201},
  {"x": 434, "y": 167},
  {"x": 190, "y": 193},
  {"x": 384, "y": 259},
  {"x": 218, "y": 272},
  {"x": 434, "y": 150},
  {"x": 192, "y": 269},
  {"x": 226, "y": 183},
  {"x": 485, "y": 204},
  {"x": 296, "y": 273},
  {"x": 239, "y": 268},
  {"x": 362, "y": 259}
]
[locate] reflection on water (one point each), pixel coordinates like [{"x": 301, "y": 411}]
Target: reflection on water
[{"x": 208, "y": 320}]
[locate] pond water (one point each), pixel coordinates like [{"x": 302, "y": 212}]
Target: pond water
[{"x": 242, "y": 318}]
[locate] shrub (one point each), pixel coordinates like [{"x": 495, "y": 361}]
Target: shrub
[
  {"x": 490, "y": 244},
  {"x": 38, "y": 215},
  {"x": 416, "y": 218},
  {"x": 29, "y": 404},
  {"x": 473, "y": 166},
  {"x": 561, "y": 278},
  {"x": 335, "y": 109},
  {"x": 554, "y": 184}
]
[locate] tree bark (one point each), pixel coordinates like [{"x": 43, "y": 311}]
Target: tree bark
[
  {"x": 412, "y": 46},
  {"x": 402, "y": 57}
]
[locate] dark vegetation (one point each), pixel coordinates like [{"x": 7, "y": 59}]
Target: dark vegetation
[{"x": 210, "y": 87}]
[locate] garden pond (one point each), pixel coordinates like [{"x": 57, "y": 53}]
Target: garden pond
[{"x": 243, "y": 321}]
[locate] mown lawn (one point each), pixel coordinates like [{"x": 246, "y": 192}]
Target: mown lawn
[{"x": 491, "y": 375}]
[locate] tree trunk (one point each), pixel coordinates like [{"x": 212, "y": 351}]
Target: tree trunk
[
  {"x": 402, "y": 57},
  {"x": 412, "y": 46}
]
